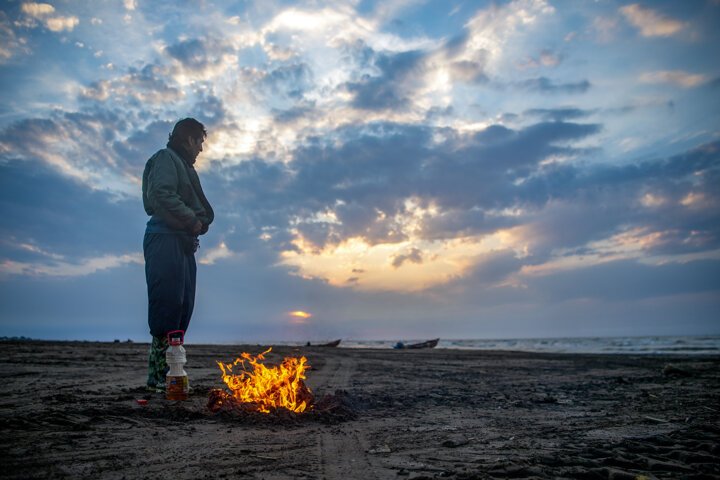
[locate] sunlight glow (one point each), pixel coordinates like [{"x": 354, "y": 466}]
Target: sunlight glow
[
  {"x": 299, "y": 317},
  {"x": 403, "y": 267}
]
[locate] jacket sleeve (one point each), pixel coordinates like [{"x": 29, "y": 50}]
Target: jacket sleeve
[
  {"x": 209, "y": 215},
  {"x": 162, "y": 192}
]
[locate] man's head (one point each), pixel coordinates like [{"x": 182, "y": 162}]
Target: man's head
[{"x": 190, "y": 134}]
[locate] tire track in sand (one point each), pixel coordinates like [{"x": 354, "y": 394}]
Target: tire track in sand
[{"x": 343, "y": 451}]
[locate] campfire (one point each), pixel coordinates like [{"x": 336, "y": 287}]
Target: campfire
[{"x": 257, "y": 388}]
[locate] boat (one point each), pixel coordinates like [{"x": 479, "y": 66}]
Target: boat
[
  {"x": 426, "y": 344},
  {"x": 331, "y": 344}
]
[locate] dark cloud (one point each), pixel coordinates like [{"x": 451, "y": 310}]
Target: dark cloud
[
  {"x": 210, "y": 111},
  {"x": 487, "y": 269},
  {"x": 135, "y": 150},
  {"x": 484, "y": 173},
  {"x": 472, "y": 181},
  {"x": 390, "y": 89},
  {"x": 545, "y": 85},
  {"x": 454, "y": 223},
  {"x": 357, "y": 53},
  {"x": 198, "y": 54},
  {"x": 592, "y": 203},
  {"x": 456, "y": 45},
  {"x": 439, "y": 112},
  {"x": 81, "y": 138},
  {"x": 57, "y": 215},
  {"x": 366, "y": 180},
  {"x": 143, "y": 86},
  {"x": 291, "y": 80},
  {"x": 558, "y": 114},
  {"x": 628, "y": 280},
  {"x": 472, "y": 72},
  {"x": 413, "y": 256},
  {"x": 302, "y": 110},
  {"x": 600, "y": 299}
]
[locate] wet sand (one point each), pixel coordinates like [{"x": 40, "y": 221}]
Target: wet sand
[{"x": 70, "y": 410}]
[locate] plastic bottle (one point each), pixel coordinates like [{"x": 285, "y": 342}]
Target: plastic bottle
[{"x": 177, "y": 386}]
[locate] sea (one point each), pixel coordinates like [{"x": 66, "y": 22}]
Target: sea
[{"x": 651, "y": 345}]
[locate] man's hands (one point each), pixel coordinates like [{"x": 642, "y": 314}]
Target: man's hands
[{"x": 197, "y": 228}]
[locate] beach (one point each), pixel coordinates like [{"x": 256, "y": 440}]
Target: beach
[{"x": 70, "y": 410}]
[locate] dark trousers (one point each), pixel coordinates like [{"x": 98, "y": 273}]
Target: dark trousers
[{"x": 170, "y": 275}]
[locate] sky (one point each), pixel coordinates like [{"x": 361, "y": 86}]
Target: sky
[{"x": 396, "y": 169}]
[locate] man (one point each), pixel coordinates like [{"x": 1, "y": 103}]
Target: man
[{"x": 179, "y": 213}]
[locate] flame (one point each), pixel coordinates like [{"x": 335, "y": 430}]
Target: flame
[{"x": 269, "y": 388}]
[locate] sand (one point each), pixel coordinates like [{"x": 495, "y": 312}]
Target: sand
[{"x": 70, "y": 410}]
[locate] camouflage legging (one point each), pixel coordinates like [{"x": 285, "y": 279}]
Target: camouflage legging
[{"x": 157, "y": 366}]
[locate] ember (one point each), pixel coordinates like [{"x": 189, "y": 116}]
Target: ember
[{"x": 263, "y": 389}]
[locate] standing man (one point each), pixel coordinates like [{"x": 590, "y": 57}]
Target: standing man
[{"x": 179, "y": 213}]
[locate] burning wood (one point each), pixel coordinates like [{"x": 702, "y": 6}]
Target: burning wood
[{"x": 263, "y": 389}]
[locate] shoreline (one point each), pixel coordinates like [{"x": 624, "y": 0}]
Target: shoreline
[{"x": 702, "y": 345}]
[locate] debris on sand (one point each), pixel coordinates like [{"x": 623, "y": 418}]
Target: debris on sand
[{"x": 334, "y": 408}]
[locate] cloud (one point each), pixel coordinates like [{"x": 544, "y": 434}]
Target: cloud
[
  {"x": 402, "y": 185},
  {"x": 378, "y": 173},
  {"x": 41, "y": 11},
  {"x": 714, "y": 83},
  {"x": 37, "y": 10},
  {"x": 414, "y": 256},
  {"x": 488, "y": 269},
  {"x": 498, "y": 185},
  {"x": 605, "y": 28},
  {"x": 10, "y": 44},
  {"x": 558, "y": 114},
  {"x": 276, "y": 52},
  {"x": 545, "y": 85},
  {"x": 462, "y": 223},
  {"x": 624, "y": 280},
  {"x": 290, "y": 79},
  {"x": 527, "y": 63},
  {"x": 389, "y": 185},
  {"x": 549, "y": 59},
  {"x": 60, "y": 24},
  {"x": 202, "y": 58},
  {"x": 650, "y": 23},
  {"x": 676, "y": 77},
  {"x": 304, "y": 110},
  {"x": 391, "y": 89},
  {"x": 58, "y": 226},
  {"x": 146, "y": 85},
  {"x": 314, "y": 22},
  {"x": 492, "y": 28},
  {"x": 75, "y": 145},
  {"x": 211, "y": 255},
  {"x": 64, "y": 269},
  {"x": 605, "y": 200}
]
